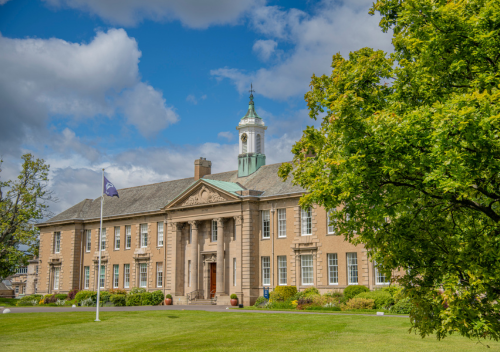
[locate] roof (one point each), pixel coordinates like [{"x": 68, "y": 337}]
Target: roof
[
  {"x": 154, "y": 197},
  {"x": 251, "y": 110}
]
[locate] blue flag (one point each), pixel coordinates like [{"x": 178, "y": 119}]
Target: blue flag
[{"x": 109, "y": 188}]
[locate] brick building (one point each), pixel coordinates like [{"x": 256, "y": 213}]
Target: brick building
[{"x": 206, "y": 236}]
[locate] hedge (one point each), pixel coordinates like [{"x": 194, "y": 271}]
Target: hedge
[
  {"x": 157, "y": 297},
  {"x": 134, "y": 299},
  {"x": 354, "y": 290},
  {"x": 358, "y": 303},
  {"x": 80, "y": 296},
  {"x": 286, "y": 292},
  {"x": 118, "y": 300},
  {"x": 382, "y": 299}
]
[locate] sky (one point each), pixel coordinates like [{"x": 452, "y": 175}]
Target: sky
[{"x": 142, "y": 88}]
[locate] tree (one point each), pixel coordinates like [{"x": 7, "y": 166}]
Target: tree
[
  {"x": 22, "y": 203},
  {"x": 409, "y": 147}
]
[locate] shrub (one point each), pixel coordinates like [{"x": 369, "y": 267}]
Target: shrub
[
  {"x": 260, "y": 301},
  {"x": 72, "y": 294},
  {"x": 60, "y": 302},
  {"x": 47, "y": 299},
  {"x": 104, "y": 296},
  {"x": 286, "y": 291},
  {"x": 275, "y": 297},
  {"x": 117, "y": 291},
  {"x": 403, "y": 306},
  {"x": 311, "y": 291},
  {"x": 134, "y": 299},
  {"x": 393, "y": 290},
  {"x": 61, "y": 296},
  {"x": 118, "y": 300},
  {"x": 382, "y": 299},
  {"x": 358, "y": 303},
  {"x": 234, "y": 296},
  {"x": 157, "y": 297},
  {"x": 354, "y": 290},
  {"x": 82, "y": 295},
  {"x": 168, "y": 296},
  {"x": 280, "y": 305},
  {"x": 87, "y": 302},
  {"x": 136, "y": 290},
  {"x": 31, "y": 300},
  {"x": 147, "y": 299}
]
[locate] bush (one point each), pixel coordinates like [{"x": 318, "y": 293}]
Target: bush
[
  {"x": 72, "y": 294},
  {"x": 147, "y": 299},
  {"x": 393, "y": 290},
  {"x": 168, "y": 296},
  {"x": 61, "y": 296},
  {"x": 403, "y": 306},
  {"x": 234, "y": 296},
  {"x": 117, "y": 291},
  {"x": 157, "y": 297},
  {"x": 87, "y": 302},
  {"x": 118, "y": 300},
  {"x": 31, "y": 300},
  {"x": 311, "y": 291},
  {"x": 287, "y": 292},
  {"x": 275, "y": 297},
  {"x": 280, "y": 305},
  {"x": 47, "y": 299},
  {"x": 354, "y": 290},
  {"x": 260, "y": 301},
  {"x": 82, "y": 295},
  {"x": 104, "y": 296},
  {"x": 382, "y": 299},
  {"x": 358, "y": 303},
  {"x": 60, "y": 302},
  {"x": 136, "y": 290},
  {"x": 134, "y": 299}
]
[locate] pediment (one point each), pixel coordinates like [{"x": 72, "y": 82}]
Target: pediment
[{"x": 202, "y": 194}]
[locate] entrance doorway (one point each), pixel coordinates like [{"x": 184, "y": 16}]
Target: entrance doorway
[{"x": 213, "y": 279}]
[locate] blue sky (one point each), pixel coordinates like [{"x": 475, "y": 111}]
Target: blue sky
[{"x": 144, "y": 87}]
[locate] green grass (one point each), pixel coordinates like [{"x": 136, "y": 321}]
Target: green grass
[
  {"x": 209, "y": 331},
  {"x": 326, "y": 310},
  {"x": 8, "y": 302}
]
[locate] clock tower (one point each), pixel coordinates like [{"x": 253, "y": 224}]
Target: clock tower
[{"x": 251, "y": 129}]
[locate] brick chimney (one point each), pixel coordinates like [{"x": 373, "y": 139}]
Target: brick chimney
[{"x": 202, "y": 167}]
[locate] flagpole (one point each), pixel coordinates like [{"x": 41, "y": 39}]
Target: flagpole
[{"x": 99, "y": 248}]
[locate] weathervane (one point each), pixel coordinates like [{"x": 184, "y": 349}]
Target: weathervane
[{"x": 251, "y": 93}]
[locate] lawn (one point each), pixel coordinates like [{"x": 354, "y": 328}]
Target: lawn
[{"x": 208, "y": 331}]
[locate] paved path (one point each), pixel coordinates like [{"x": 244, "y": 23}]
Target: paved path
[{"x": 219, "y": 309}]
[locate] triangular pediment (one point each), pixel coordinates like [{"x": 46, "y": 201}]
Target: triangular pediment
[{"x": 202, "y": 193}]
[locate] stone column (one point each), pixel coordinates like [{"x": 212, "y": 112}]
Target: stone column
[
  {"x": 220, "y": 256},
  {"x": 194, "y": 255}
]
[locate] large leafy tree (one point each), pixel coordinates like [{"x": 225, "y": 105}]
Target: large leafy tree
[
  {"x": 409, "y": 147},
  {"x": 22, "y": 203}
]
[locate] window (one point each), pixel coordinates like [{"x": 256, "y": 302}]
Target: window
[
  {"x": 214, "y": 230},
  {"x": 281, "y": 270},
  {"x": 281, "y": 223},
  {"x": 266, "y": 228},
  {"x": 266, "y": 271},
  {"x": 86, "y": 281},
  {"x": 57, "y": 242},
  {"x": 189, "y": 273},
  {"x": 144, "y": 235},
  {"x": 117, "y": 237},
  {"x": 234, "y": 271},
  {"x": 56, "y": 278},
  {"x": 88, "y": 240},
  {"x": 126, "y": 275},
  {"x": 160, "y": 234},
  {"x": 17, "y": 290},
  {"x": 331, "y": 220},
  {"x": 380, "y": 279},
  {"x": 22, "y": 270},
  {"x": 116, "y": 276},
  {"x": 103, "y": 239},
  {"x": 333, "y": 269},
  {"x": 159, "y": 274},
  {"x": 258, "y": 143},
  {"x": 306, "y": 266},
  {"x": 128, "y": 236},
  {"x": 352, "y": 268},
  {"x": 102, "y": 276},
  {"x": 306, "y": 221},
  {"x": 143, "y": 275}
]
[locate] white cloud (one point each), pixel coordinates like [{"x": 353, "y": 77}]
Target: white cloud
[
  {"x": 227, "y": 135},
  {"x": 41, "y": 78},
  {"x": 3, "y": 2},
  {"x": 264, "y": 48},
  {"x": 192, "y": 99},
  {"x": 192, "y": 13},
  {"x": 332, "y": 28}
]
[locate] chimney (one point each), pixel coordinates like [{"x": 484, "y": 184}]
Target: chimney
[{"x": 202, "y": 167}]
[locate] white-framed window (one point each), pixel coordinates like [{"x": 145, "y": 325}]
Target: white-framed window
[
  {"x": 306, "y": 222},
  {"x": 282, "y": 270},
  {"x": 306, "y": 269},
  {"x": 266, "y": 224},
  {"x": 331, "y": 220},
  {"x": 116, "y": 275},
  {"x": 234, "y": 271},
  {"x": 128, "y": 236},
  {"x": 22, "y": 270},
  {"x": 57, "y": 242},
  {"x": 214, "y": 231},
  {"x": 144, "y": 235},
  {"x": 281, "y": 223},
  {"x": 102, "y": 276},
  {"x": 159, "y": 274},
  {"x": 258, "y": 145},
  {"x": 352, "y": 268},
  {"x": 143, "y": 273},
  {"x": 117, "y": 237},
  {"x": 103, "y": 239},
  {"x": 17, "y": 290},
  {"x": 160, "y": 234},
  {"x": 333, "y": 269},
  {"x": 88, "y": 240},
  {"x": 86, "y": 281},
  {"x": 380, "y": 279},
  {"x": 56, "y": 277},
  {"x": 126, "y": 275},
  {"x": 189, "y": 273},
  {"x": 266, "y": 271}
]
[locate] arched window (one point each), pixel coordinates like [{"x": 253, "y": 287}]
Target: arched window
[
  {"x": 244, "y": 146},
  {"x": 257, "y": 149}
]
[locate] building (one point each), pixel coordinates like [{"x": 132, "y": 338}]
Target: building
[
  {"x": 24, "y": 281},
  {"x": 210, "y": 235}
]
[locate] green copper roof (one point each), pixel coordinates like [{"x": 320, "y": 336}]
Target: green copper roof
[
  {"x": 251, "y": 110},
  {"x": 229, "y": 187}
]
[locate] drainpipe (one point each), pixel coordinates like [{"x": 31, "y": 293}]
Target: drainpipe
[
  {"x": 164, "y": 258},
  {"x": 272, "y": 245},
  {"x": 80, "y": 286}
]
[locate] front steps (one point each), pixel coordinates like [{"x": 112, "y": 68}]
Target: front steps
[{"x": 202, "y": 302}]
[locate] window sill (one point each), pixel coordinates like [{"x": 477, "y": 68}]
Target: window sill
[
  {"x": 384, "y": 284},
  {"x": 265, "y": 238},
  {"x": 281, "y": 237},
  {"x": 306, "y": 234},
  {"x": 352, "y": 283},
  {"x": 333, "y": 284}
]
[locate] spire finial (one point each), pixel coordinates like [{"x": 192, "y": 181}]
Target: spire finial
[{"x": 251, "y": 93}]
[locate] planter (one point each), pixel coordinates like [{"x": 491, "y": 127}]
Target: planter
[
  {"x": 234, "y": 302},
  {"x": 168, "y": 301}
]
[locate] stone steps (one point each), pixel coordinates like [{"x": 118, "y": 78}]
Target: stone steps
[{"x": 201, "y": 302}]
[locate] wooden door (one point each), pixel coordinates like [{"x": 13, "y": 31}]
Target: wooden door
[{"x": 213, "y": 279}]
